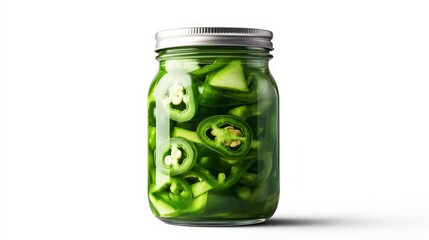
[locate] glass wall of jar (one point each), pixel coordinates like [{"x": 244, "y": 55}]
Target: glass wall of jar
[{"x": 213, "y": 128}]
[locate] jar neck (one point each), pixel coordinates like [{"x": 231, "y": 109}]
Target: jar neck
[{"x": 260, "y": 54}]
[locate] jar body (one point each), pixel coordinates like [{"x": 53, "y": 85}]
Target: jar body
[{"x": 213, "y": 137}]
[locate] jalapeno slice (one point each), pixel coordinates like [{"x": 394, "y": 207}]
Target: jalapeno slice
[
  {"x": 227, "y": 135},
  {"x": 178, "y": 96},
  {"x": 172, "y": 196},
  {"x": 175, "y": 156}
]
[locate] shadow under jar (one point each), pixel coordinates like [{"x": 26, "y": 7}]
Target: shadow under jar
[{"x": 213, "y": 128}]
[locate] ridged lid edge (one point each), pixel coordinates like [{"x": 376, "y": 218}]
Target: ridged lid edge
[{"x": 213, "y": 36}]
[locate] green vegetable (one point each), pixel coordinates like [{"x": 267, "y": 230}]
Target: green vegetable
[
  {"x": 175, "y": 156},
  {"x": 271, "y": 127},
  {"x": 161, "y": 208},
  {"x": 198, "y": 184},
  {"x": 198, "y": 205},
  {"x": 242, "y": 192},
  {"x": 226, "y": 135},
  {"x": 152, "y": 113},
  {"x": 220, "y": 174},
  {"x": 259, "y": 171},
  {"x": 245, "y": 111},
  {"x": 173, "y": 196},
  {"x": 257, "y": 124},
  {"x": 230, "y": 77},
  {"x": 177, "y": 95},
  {"x": 221, "y": 62},
  {"x": 187, "y": 134},
  {"x": 181, "y": 65},
  {"x": 151, "y": 165},
  {"x": 152, "y": 137},
  {"x": 262, "y": 194},
  {"x": 216, "y": 97},
  {"x": 203, "y": 113},
  {"x": 152, "y": 116}
]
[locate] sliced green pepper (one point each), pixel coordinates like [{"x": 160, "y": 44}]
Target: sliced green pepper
[
  {"x": 174, "y": 195},
  {"x": 219, "y": 173},
  {"x": 227, "y": 135},
  {"x": 259, "y": 171},
  {"x": 263, "y": 194},
  {"x": 175, "y": 156},
  {"x": 245, "y": 111},
  {"x": 257, "y": 124},
  {"x": 203, "y": 112},
  {"x": 151, "y": 165},
  {"x": 161, "y": 208},
  {"x": 217, "y": 97},
  {"x": 231, "y": 77},
  {"x": 272, "y": 126},
  {"x": 177, "y": 94},
  {"x": 198, "y": 184},
  {"x": 152, "y": 116},
  {"x": 218, "y": 63},
  {"x": 184, "y": 65},
  {"x": 184, "y": 133},
  {"x": 152, "y": 137},
  {"x": 152, "y": 113},
  {"x": 242, "y": 192},
  {"x": 198, "y": 205}
]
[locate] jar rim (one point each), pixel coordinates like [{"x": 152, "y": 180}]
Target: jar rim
[{"x": 213, "y": 36}]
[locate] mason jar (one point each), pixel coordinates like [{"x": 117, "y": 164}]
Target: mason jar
[{"x": 213, "y": 128}]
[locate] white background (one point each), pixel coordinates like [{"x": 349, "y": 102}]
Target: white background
[{"x": 354, "y": 83}]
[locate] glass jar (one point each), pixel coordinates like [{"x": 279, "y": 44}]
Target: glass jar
[{"x": 213, "y": 128}]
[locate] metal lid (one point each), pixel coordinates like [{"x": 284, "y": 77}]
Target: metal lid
[{"x": 213, "y": 36}]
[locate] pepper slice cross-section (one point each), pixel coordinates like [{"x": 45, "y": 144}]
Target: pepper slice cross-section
[
  {"x": 258, "y": 83},
  {"x": 219, "y": 174},
  {"x": 177, "y": 94},
  {"x": 175, "y": 156},
  {"x": 173, "y": 196},
  {"x": 227, "y": 135}
]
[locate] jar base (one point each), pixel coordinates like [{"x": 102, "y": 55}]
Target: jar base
[{"x": 214, "y": 223}]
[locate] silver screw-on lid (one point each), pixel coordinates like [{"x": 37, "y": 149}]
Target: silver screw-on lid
[{"x": 213, "y": 36}]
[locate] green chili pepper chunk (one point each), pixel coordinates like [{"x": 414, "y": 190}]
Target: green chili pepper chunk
[
  {"x": 175, "y": 156},
  {"x": 230, "y": 77},
  {"x": 219, "y": 173},
  {"x": 178, "y": 95},
  {"x": 152, "y": 113},
  {"x": 208, "y": 68},
  {"x": 198, "y": 183},
  {"x": 174, "y": 195},
  {"x": 259, "y": 171},
  {"x": 152, "y": 137},
  {"x": 227, "y": 135},
  {"x": 220, "y": 97}
]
